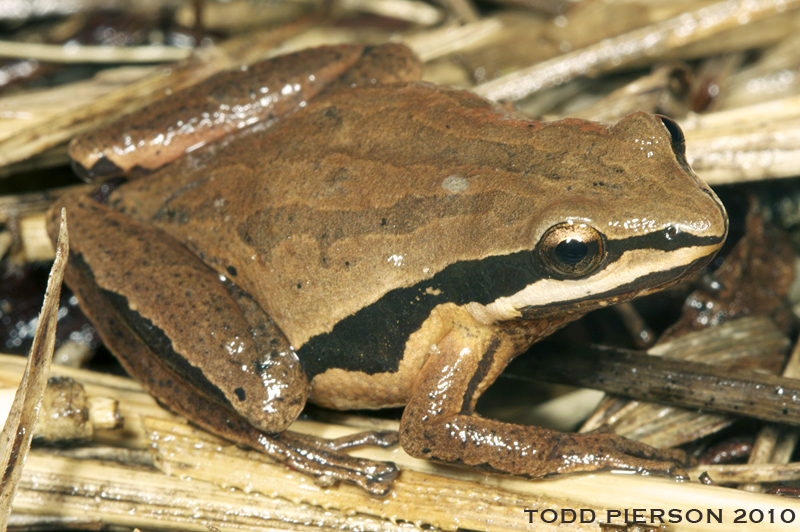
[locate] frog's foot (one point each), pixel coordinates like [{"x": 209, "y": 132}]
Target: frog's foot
[
  {"x": 576, "y": 453},
  {"x": 439, "y": 421},
  {"x": 296, "y": 451},
  {"x": 370, "y": 438}
]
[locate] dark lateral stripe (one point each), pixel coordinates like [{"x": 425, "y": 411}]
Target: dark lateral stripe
[
  {"x": 373, "y": 339},
  {"x": 160, "y": 344},
  {"x": 660, "y": 241}
]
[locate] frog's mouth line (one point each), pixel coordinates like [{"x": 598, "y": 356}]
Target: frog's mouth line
[
  {"x": 656, "y": 281},
  {"x": 626, "y": 274}
]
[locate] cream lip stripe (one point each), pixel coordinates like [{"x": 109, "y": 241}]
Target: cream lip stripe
[
  {"x": 659, "y": 280},
  {"x": 654, "y": 257}
]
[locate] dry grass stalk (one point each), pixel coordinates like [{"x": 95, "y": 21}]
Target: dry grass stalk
[
  {"x": 31, "y": 109},
  {"x": 18, "y": 429},
  {"x": 462, "y": 10},
  {"x": 47, "y": 159},
  {"x": 605, "y": 491},
  {"x": 133, "y": 402},
  {"x": 420, "y": 498},
  {"x": 42, "y": 136},
  {"x": 425, "y": 492},
  {"x": 35, "y": 241},
  {"x": 775, "y": 439},
  {"x": 774, "y": 76},
  {"x": 14, "y": 208},
  {"x": 23, "y": 9},
  {"x": 756, "y": 142},
  {"x": 241, "y": 15},
  {"x": 409, "y": 10},
  {"x": 68, "y": 490},
  {"x": 67, "y": 414},
  {"x": 662, "y": 91},
  {"x": 751, "y": 474},
  {"x": 624, "y": 49},
  {"x": 57, "y": 53},
  {"x": 450, "y": 38}
]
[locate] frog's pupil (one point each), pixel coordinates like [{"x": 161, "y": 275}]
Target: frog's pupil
[{"x": 571, "y": 252}]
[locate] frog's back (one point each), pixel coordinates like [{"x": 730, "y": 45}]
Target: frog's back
[
  {"x": 343, "y": 203},
  {"x": 365, "y": 210}
]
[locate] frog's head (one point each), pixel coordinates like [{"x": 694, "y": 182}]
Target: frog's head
[{"x": 639, "y": 220}]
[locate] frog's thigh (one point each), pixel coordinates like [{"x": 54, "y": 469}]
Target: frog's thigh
[
  {"x": 439, "y": 421},
  {"x": 137, "y": 275}
]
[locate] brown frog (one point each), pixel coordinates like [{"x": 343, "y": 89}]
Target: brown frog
[{"x": 386, "y": 243}]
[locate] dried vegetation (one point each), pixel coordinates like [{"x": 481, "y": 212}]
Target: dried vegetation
[{"x": 727, "y": 71}]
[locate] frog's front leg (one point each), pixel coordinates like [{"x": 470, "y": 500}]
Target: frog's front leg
[
  {"x": 205, "y": 350},
  {"x": 440, "y": 422}
]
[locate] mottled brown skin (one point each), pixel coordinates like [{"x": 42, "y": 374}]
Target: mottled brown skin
[
  {"x": 228, "y": 101},
  {"x": 343, "y": 167},
  {"x": 370, "y": 198}
]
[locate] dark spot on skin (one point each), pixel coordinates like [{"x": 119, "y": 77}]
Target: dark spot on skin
[
  {"x": 347, "y": 263},
  {"x": 239, "y": 393},
  {"x": 383, "y": 222},
  {"x": 448, "y": 127},
  {"x": 231, "y": 271},
  {"x": 182, "y": 109},
  {"x": 299, "y": 286},
  {"x": 331, "y": 112},
  {"x": 426, "y": 450}
]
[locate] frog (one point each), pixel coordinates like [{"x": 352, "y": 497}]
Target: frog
[{"x": 382, "y": 242}]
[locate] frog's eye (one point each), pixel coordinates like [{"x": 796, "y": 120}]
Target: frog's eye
[
  {"x": 676, "y": 135},
  {"x": 677, "y": 141},
  {"x": 571, "y": 250}
]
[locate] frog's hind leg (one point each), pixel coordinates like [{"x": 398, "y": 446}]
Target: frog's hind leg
[
  {"x": 440, "y": 422},
  {"x": 164, "y": 337}
]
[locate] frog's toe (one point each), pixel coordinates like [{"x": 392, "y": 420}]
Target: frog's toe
[{"x": 372, "y": 438}]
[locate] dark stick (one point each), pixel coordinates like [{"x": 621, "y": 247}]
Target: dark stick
[{"x": 662, "y": 380}]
